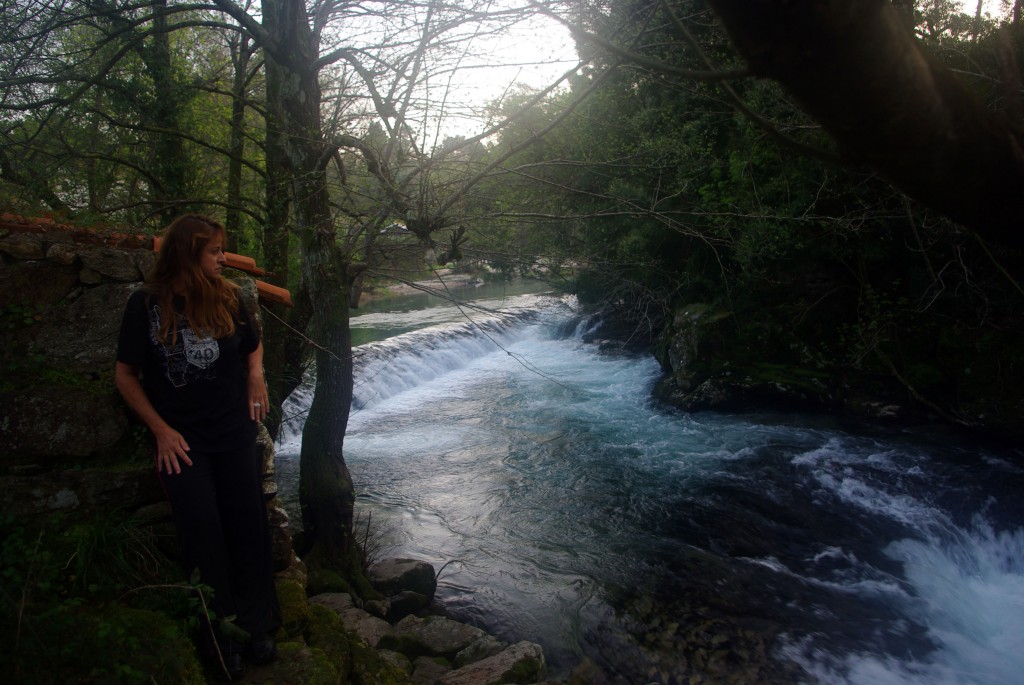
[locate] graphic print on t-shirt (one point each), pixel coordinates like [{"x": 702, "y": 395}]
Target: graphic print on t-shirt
[{"x": 190, "y": 358}]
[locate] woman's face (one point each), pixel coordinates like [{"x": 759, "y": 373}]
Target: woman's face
[{"x": 212, "y": 259}]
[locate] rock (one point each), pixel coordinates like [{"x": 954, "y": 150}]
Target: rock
[
  {"x": 23, "y": 245},
  {"x": 34, "y": 285},
  {"x": 431, "y": 636},
  {"x": 369, "y": 666},
  {"x": 336, "y": 601},
  {"x": 83, "y": 333},
  {"x": 111, "y": 263},
  {"x": 373, "y": 630},
  {"x": 89, "y": 276},
  {"x": 51, "y": 422},
  {"x": 378, "y": 607},
  {"x": 280, "y": 536},
  {"x": 326, "y": 580},
  {"x": 295, "y": 609},
  {"x": 396, "y": 659},
  {"x": 523, "y": 662},
  {"x": 62, "y": 253},
  {"x": 404, "y": 603},
  {"x": 482, "y": 648},
  {"x": 296, "y": 572},
  {"x": 428, "y": 670},
  {"x": 85, "y": 492},
  {"x": 265, "y": 448},
  {"x": 327, "y": 632},
  {"x": 297, "y": 663},
  {"x": 392, "y": 576}
]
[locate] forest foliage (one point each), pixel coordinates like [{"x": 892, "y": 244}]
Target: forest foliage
[
  {"x": 663, "y": 172},
  {"x": 725, "y": 193}
]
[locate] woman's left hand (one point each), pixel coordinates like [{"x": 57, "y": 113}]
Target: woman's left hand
[{"x": 259, "y": 402}]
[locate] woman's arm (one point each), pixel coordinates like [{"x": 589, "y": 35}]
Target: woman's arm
[
  {"x": 259, "y": 402},
  {"x": 171, "y": 448}
]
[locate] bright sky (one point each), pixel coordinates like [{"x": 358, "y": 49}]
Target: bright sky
[{"x": 534, "y": 54}]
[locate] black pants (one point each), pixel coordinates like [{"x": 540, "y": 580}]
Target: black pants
[{"x": 222, "y": 530}]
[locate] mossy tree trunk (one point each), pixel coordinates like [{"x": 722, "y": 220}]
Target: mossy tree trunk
[{"x": 295, "y": 150}]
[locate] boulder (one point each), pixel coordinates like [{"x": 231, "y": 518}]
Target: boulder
[
  {"x": 54, "y": 422},
  {"x": 484, "y": 647},
  {"x": 378, "y": 607},
  {"x": 33, "y": 286},
  {"x": 392, "y": 576},
  {"x": 428, "y": 670},
  {"x": 82, "y": 492},
  {"x": 24, "y": 246},
  {"x": 397, "y": 659},
  {"x": 113, "y": 263},
  {"x": 62, "y": 253},
  {"x": 338, "y": 602},
  {"x": 431, "y": 636},
  {"x": 696, "y": 334},
  {"x": 280, "y": 536},
  {"x": 82, "y": 332},
  {"x": 523, "y": 662},
  {"x": 374, "y": 631},
  {"x": 404, "y": 603}
]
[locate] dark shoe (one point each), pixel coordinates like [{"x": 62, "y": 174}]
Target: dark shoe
[
  {"x": 222, "y": 658},
  {"x": 233, "y": 668},
  {"x": 261, "y": 649}
]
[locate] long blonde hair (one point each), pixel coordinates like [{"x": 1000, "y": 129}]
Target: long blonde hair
[{"x": 210, "y": 306}]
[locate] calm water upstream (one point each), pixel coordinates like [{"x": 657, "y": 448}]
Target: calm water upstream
[{"x": 574, "y": 512}]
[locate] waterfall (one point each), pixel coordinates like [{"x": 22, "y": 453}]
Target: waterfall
[{"x": 386, "y": 368}]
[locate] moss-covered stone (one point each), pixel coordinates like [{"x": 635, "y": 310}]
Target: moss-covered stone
[
  {"x": 352, "y": 581},
  {"x": 526, "y": 671},
  {"x": 370, "y": 668},
  {"x": 326, "y": 580},
  {"x": 295, "y": 614},
  {"x": 297, "y": 664},
  {"x": 327, "y": 633}
]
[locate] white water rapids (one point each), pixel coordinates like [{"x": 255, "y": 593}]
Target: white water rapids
[{"x": 576, "y": 513}]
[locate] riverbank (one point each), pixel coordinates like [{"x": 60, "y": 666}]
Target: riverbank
[
  {"x": 442, "y": 280},
  {"x": 333, "y": 636}
]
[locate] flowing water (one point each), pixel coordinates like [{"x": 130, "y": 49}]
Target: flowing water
[{"x": 570, "y": 510}]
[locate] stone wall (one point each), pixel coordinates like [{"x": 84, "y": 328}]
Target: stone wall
[{"x": 69, "y": 443}]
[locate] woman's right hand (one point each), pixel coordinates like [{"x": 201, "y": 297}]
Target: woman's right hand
[
  {"x": 171, "y": 448},
  {"x": 171, "y": 451}
]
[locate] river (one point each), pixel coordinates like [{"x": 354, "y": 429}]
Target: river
[{"x": 568, "y": 509}]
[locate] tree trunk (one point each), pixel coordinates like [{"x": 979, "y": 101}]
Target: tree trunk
[
  {"x": 326, "y": 494},
  {"x": 854, "y": 66},
  {"x": 170, "y": 164},
  {"x": 240, "y": 54},
  {"x": 325, "y": 488},
  {"x": 283, "y": 354}
]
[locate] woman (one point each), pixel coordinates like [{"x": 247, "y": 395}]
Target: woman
[{"x": 190, "y": 364}]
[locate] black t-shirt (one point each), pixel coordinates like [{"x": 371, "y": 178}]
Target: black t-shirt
[{"x": 198, "y": 385}]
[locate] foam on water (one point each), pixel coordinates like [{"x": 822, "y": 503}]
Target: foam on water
[
  {"x": 969, "y": 593},
  {"x": 540, "y": 465}
]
